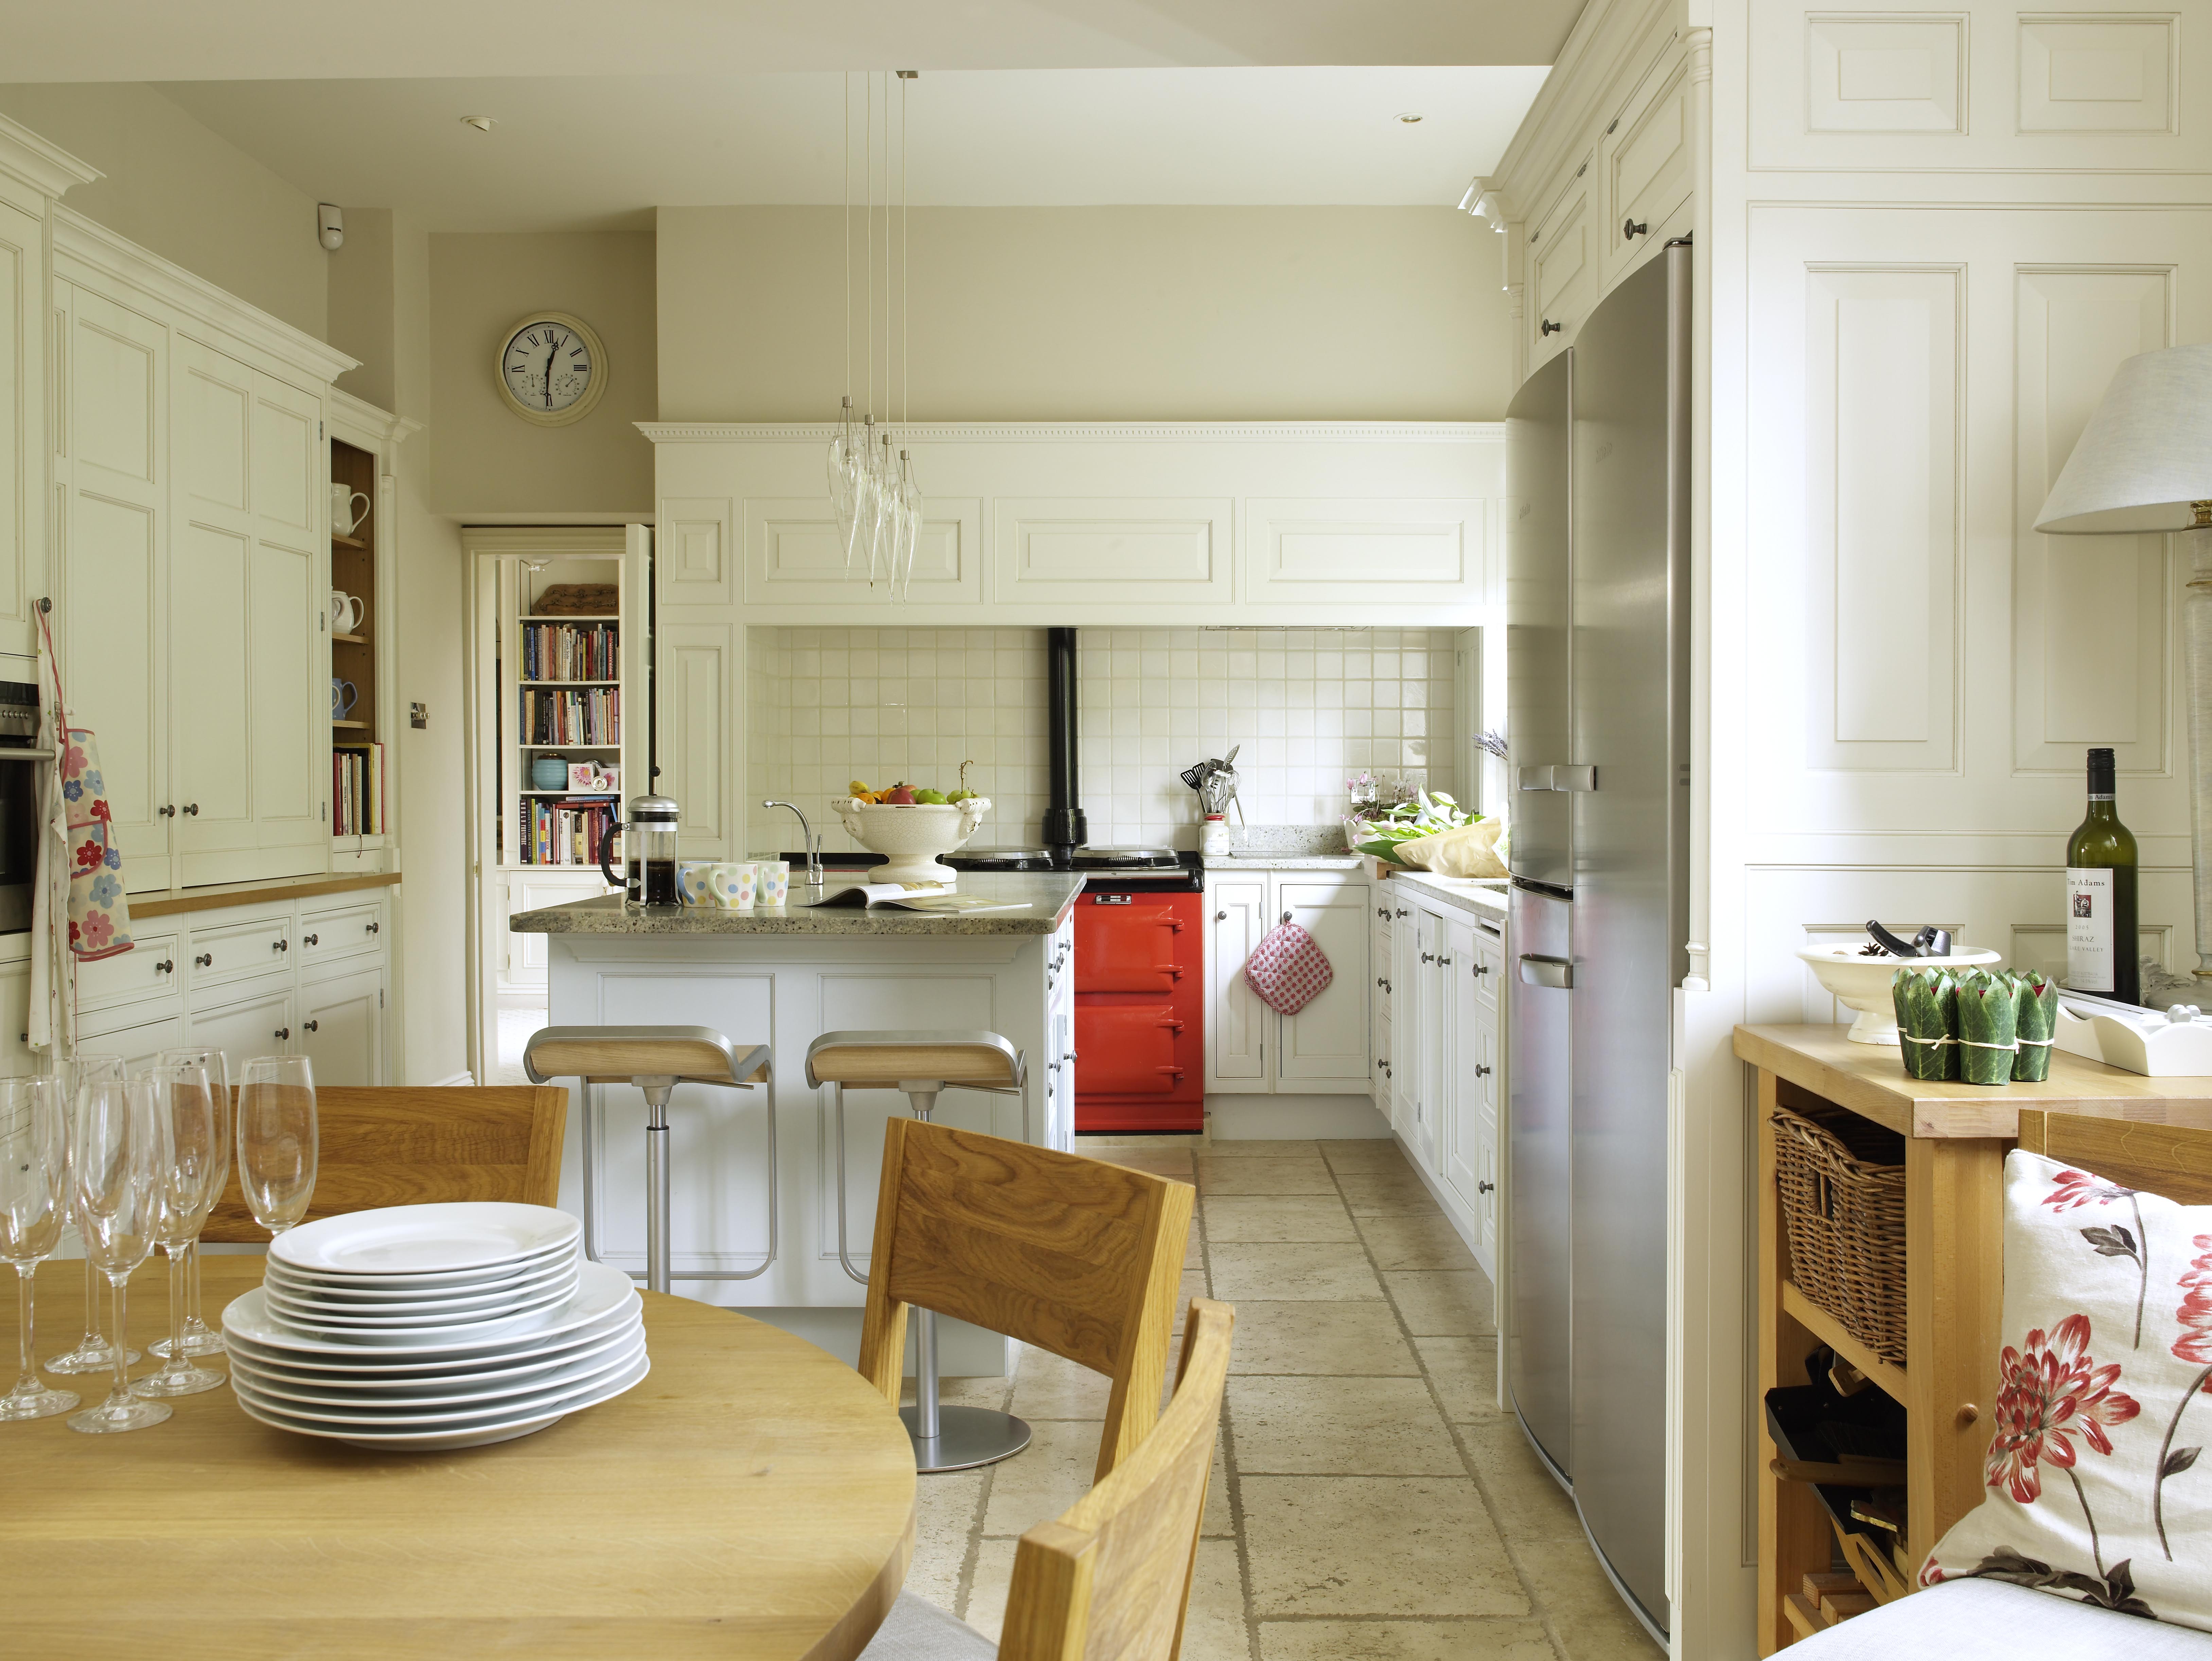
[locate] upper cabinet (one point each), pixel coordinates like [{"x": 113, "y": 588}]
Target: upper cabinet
[
  {"x": 1562, "y": 270},
  {"x": 193, "y": 573},
  {"x": 1644, "y": 167}
]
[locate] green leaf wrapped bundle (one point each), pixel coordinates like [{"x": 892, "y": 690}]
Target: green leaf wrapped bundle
[
  {"x": 2035, "y": 1021},
  {"x": 1927, "y": 1004},
  {"x": 1988, "y": 1033}
]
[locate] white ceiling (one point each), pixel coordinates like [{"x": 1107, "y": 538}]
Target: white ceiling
[
  {"x": 576, "y": 153},
  {"x": 334, "y": 40}
]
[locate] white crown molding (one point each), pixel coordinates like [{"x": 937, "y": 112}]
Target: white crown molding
[
  {"x": 1094, "y": 432},
  {"x": 94, "y": 246},
  {"x": 1568, "y": 105},
  {"x": 367, "y": 418},
  {"x": 565, "y": 538},
  {"x": 44, "y": 167}
]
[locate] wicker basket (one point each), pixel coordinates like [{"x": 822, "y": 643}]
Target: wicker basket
[{"x": 1846, "y": 1215}]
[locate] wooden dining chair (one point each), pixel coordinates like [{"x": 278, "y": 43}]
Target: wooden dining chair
[
  {"x": 1110, "y": 1577},
  {"x": 1073, "y": 1254},
  {"x": 405, "y": 1145},
  {"x": 2174, "y": 1160}
]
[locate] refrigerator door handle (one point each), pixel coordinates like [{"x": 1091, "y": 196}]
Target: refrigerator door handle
[
  {"x": 1537, "y": 778},
  {"x": 1574, "y": 778},
  {"x": 1558, "y": 972}
]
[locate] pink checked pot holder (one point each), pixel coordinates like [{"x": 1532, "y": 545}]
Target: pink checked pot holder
[{"x": 1288, "y": 970}]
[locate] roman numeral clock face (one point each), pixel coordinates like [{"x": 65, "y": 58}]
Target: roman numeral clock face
[{"x": 551, "y": 370}]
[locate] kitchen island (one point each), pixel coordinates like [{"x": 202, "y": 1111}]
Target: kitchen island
[{"x": 781, "y": 977}]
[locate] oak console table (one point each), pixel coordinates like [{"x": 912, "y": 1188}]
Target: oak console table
[{"x": 1956, "y": 1136}]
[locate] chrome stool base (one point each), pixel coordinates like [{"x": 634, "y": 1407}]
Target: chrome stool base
[{"x": 966, "y": 1437}]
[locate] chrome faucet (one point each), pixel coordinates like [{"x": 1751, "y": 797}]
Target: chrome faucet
[{"x": 813, "y": 841}]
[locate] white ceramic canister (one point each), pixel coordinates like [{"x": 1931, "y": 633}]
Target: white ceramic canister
[{"x": 1213, "y": 839}]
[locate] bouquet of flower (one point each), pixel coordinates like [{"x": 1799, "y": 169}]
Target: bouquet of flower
[{"x": 1425, "y": 815}]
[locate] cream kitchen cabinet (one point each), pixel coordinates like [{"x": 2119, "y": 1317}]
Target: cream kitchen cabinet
[
  {"x": 341, "y": 1027},
  {"x": 1059, "y": 1039},
  {"x": 522, "y": 968},
  {"x": 1563, "y": 269},
  {"x": 1643, "y": 166},
  {"x": 193, "y": 563},
  {"x": 1325, "y": 1048}
]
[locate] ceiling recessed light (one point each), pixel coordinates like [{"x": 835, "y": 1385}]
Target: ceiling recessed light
[
  {"x": 482, "y": 123},
  {"x": 1411, "y": 118}
]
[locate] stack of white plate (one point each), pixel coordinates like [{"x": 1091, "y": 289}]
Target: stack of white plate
[{"x": 432, "y": 1326}]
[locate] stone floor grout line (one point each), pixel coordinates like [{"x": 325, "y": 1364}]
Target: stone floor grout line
[
  {"x": 965, "y": 1588},
  {"x": 1536, "y": 1605},
  {"x": 1231, "y": 1478}
]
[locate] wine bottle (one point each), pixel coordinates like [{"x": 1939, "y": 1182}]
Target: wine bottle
[{"x": 2101, "y": 949}]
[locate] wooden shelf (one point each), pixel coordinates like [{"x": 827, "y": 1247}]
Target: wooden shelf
[
  {"x": 338, "y": 541},
  {"x": 349, "y": 640},
  {"x": 593, "y": 616},
  {"x": 1830, "y": 1331},
  {"x": 585, "y": 796},
  {"x": 361, "y": 726},
  {"x": 569, "y": 747},
  {"x": 526, "y": 685}
]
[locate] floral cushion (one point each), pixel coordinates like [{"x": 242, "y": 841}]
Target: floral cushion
[{"x": 2104, "y": 1401}]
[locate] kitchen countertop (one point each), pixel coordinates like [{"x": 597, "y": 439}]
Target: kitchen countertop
[
  {"x": 1270, "y": 862},
  {"x": 167, "y": 901},
  {"x": 1484, "y": 895},
  {"x": 1050, "y": 895}
]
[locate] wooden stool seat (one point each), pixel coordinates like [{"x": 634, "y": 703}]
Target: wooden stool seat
[
  {"x": 893, "y": 1061},
  {"x": 656, "y": 1059}
]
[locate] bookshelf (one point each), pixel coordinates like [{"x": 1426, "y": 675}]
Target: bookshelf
[{"x": 360, "y": 770}]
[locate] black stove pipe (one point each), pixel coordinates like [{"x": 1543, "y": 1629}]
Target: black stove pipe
[{"x": 1065, "y": 829}]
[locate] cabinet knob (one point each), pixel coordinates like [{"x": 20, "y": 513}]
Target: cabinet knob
[
  {"x": 1428, "y": 956},
  {"x": 193, "y": 808},
  {"x": 1378, "y": 980},
  {"x": 311, "y": 940},
  {"x": 1221, "y": 916},
  {"x": 205, "y": 960},
  {"x": 1399, "y": 912},
  {"x": 1551, "y": 327},
  {"x": 1481, "y": 1072},
  {"x": 1486, "y": 1188},
  {"x": 1629, "y": 230},
  {"x": 167, "y": 810},
  {"x": 376, "y": 928},
  {"x": 1387, "y": 987},
  {"x": 283, "y": 1033},
  {"x": 283, "y": 945},
  {"x": 1286, "y": 916},
  {"x": 166, "y": 966},
  {"x": 1443, "y": 962},
  {"x": 310, "y": 1026},
  {"x": 1482, "y": 969}
]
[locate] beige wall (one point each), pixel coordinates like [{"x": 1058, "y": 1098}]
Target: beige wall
[
  {"x": 361, "y": 306},
  {"x": 491, "y": 464},
  {"x": 1099, "y": 313},
  {"x": 175, "y": 187}
]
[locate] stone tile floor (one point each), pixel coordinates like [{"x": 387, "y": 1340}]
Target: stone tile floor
[{"x": 1370, "y": 1501}]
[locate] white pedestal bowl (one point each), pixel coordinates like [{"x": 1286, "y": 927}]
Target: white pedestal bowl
[
  {"x": 911, "y": 839},
  {"x": 1862, "y": 984}
]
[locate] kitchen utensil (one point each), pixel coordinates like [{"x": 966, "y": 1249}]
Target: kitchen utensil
[
  {"x": 344, "y": 516},
  {"x": 343, "y": 696},
  {"x": 650, "y": 837}
]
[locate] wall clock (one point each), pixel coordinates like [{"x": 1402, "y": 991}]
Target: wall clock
[{"x": 552, "y": 368}]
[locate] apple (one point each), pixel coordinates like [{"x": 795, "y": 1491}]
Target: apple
[{"x": 899, "y": 795}]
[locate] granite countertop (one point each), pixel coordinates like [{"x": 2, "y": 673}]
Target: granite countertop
[
  {"x": 1260, "y": 859},
  {"x": 1050, "y": 895},
  {"x": 1485, "y": 895}
]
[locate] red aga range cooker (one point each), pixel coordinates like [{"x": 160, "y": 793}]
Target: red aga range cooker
[{"x": 1139, "y": 987}]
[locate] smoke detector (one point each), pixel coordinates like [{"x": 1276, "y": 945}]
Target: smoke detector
[{"x": 330, "y": 226}]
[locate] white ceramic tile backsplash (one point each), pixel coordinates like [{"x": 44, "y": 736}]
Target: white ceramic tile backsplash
[{"x": 1311, "y": 708}]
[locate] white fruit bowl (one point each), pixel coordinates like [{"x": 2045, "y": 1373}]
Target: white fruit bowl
[
  {"x": 1862, "y": 984},
  {"x": 911, "y": 839}
]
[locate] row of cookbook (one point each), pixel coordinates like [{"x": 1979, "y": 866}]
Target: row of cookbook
[
  {"x": 357, "y": 790},
  {"x": 570, "y": 651},
  {"x": 562, "y": 833},
  {"x": 575, "y": 717}
]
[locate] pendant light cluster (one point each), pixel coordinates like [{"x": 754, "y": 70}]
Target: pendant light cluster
[{"x": 872, "y": 482}]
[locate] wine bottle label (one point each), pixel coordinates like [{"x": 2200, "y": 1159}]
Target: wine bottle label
[{"x": 2091, "y": 963}]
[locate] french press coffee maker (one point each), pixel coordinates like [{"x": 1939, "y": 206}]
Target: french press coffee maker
[{"x": 648, "y": 852}]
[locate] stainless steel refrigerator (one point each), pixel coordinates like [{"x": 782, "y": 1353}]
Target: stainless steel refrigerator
[{"x": 1597, "y": 652}]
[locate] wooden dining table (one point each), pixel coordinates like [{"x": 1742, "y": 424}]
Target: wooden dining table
[{"x": 751, "y": 1500}]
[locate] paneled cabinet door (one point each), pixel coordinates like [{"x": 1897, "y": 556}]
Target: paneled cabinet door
[
  {"x": 1644, "y": 165},
  {"x": 114, "y": 622},
  {"x": 263, "y": 1023},
  {"x": 1404, "y": 1020},
  {"x": 1429, "y": 1059},
  {"x": 1325, "y": 1046},
  {"x": 1563, "y": 270},
  {"x": 526, "y": 953},
  {"x": 1464, "y": 1052},
  {"x": 23, "y": 425},
  {"x": 16, "y": 1057},
  {"x": 1236, "y": 1023},
  {"x": 342, "y": 1028}
]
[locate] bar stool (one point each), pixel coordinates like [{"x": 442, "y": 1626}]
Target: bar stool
[
  {"x": 656, "y": 1059},
  {"x": 922, "y": 1064}
]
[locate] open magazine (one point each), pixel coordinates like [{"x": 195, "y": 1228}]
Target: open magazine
[{"x": 916, "y": 896}]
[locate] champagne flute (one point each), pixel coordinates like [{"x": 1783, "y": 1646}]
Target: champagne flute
[
  {"x": 185, "y": 1100},
  {"x": 200, "y": 1339},
  {"x": 122, "y": 1145},
  {"x": 92, "y": 1354},
  {"x": 277, "y": 1140},
  {"x": 34, "y": 1202}
]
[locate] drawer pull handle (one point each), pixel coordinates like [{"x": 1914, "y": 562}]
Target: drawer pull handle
[
  {"x": 1399, "y": 912},
  {"x": 1481, "y": 968},
  {"x": 1481, "y": 1072},
  {"x": 310, "y": 1026},
  {"x": 311, "y": 940},
  {"x": 283, "y": 1033},
  {"x": 1629, "y": 230},
  {"x": 193, "y": 808},
  {"x": 1551, "y": 327},
  {"x": 376, "y": 928},
  {"x": 1428, "y": 956},
  {"x": 167, "y": 810},
  {"x": 205, "y": 960},
  {"x": 166, "y": 966},
  {"x": 1486, "y": 1188},
  {"x": 1443, "y": 962},
  {"x": 284, "y": 945}
]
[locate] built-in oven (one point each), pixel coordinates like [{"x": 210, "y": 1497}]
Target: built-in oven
[{"x": 22, "y": 765}]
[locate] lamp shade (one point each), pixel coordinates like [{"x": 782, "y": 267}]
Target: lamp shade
[{"x": 2146, "y": 456}]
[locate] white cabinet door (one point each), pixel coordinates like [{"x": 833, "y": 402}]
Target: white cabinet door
[
  {"x": 342, "y": 1028},
  {"x": 1236, "y": 1023},
  {"x": 1457, "y": 1080},
  {"x": 1324, "y": 1047},
  {"x": 1405, "y": 1017},
  {"x": 1563, "y": 264},
  {"x": 1644, "y": 165},
  {"x": 114, "y": 621},
  {"x": 264, "y": 1023},
  {"x": 16, "y": 1059},
  {"x": 288, "y": 595},
  {"x": 1378, "y": 961},
  {"x": 526, "y": 953},
  {"x": 1431, "y": 1063},
  {"x": 22, "y": 426}
]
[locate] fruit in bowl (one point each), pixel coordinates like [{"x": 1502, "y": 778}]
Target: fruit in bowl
[
  {"x": 910, "y": 833},
  {"x": 1861, "y": 983}
]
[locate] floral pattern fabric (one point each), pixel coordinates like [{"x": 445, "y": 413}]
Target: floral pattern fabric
[
  {"x": 99, "y": 916},
  {"x": 2093, "y": 1490}
]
